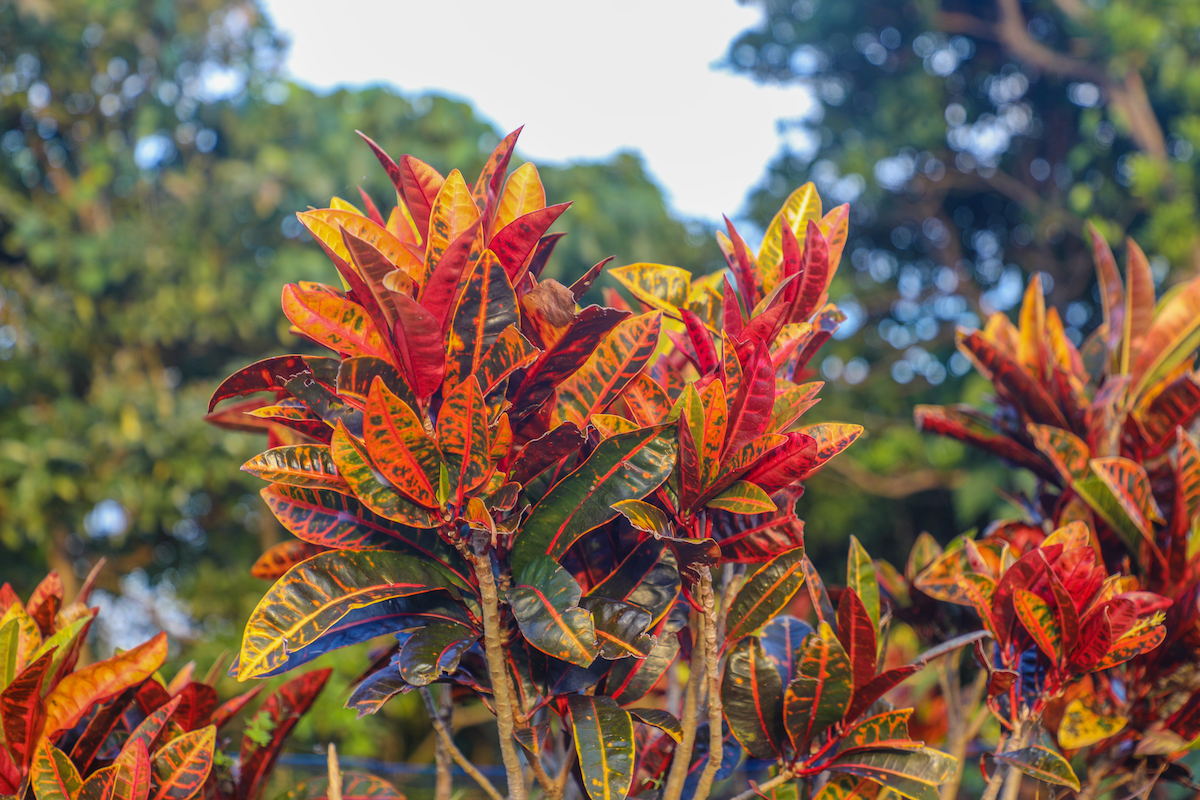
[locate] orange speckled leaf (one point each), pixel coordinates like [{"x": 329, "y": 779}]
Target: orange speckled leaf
[
  {"x": 453, "y": 212},
  {"x": 1139, "y": 303},
  {"x": 647, "y": 400},
  {"x": 657, "y": 285},
  {"x": 1040, "y": 620},
  {"x": 281, "y": 557},
  {"x": 1134, "y": 643},
  {"x": 487, "y": 185},
  {"x": 820, "y": 693},
  {"x": 400, "y": 447},
  {"x": 1130, "y": 485},
  {"x": 1112, "y": 293},
  {"x": 743, "y": 498},
  {"x": 622, "y": 354},
  {"x": 335, "y": 322},
  {"x": 131, "y": 779},
  {"x": 939, "y": 580},
  {"x": 1031, "y": 352},
  {"x": 362, "y": 229},
  {"x": 462, "y": 436},
  {"x": 716, "y": 418},
  {"x": 369, "y": 484},
  {"x": 78, "y": 692},
  {"x": 182, "y": 765},
  {"x": 308, "y": 465},
  {"x": 979, "y": 591},
  {"x": 1067, "y": 452},
  {"x": 832, "y": 438},
  {"x": 791, "y": 401},
  {"x": 803, "y": 206},
  {"x": 511, "y": 352},
  {"x": 523, "y": 193},
  {"x": 486, "y": 307},
  {"x": 835, "y": 227}
]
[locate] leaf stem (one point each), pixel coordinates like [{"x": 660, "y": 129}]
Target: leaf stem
[
  {"x": 444, "y": 784},
  {"x": 716, "y": 738},
  {"x": 502, "y": 693},
  {"x": 682, "y": 759},
  {"x": 444, "y": 737}
]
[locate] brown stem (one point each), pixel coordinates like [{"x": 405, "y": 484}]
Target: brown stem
[
  {"x": 564, "y": 775},
  {"x": 963, "y": 731},
  {"x": 756, "y": 790},
  {"x": 548, "y": 784},
  {"x": 716, "y": 741},
  {"x": 502, "y": 693},
  {"x": 444, "y": 783},
  {"x": 444, "y": 736},
  {"x": 683, "y": 751},
  {"x": 1005, "y": 776}
]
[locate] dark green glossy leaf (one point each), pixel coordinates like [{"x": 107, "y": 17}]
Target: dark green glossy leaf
[
  {"x": 647, "y": 577},
  {"x": 665, "y": 721},
  {"x": 915, "y": 774},
  {"x": 546, "y": 605},
  {"x": 1043, "y": 764},
  {"x": 631, "y": 679},
  {"x": 752, "y": 698},
  {"x": 627, "y": 466},
  {"x": 603, "y": 733},
  {"x": 433, "y": 651},
  {"x": 766, "y": 593},
  {"x": 620, "y": 628}
]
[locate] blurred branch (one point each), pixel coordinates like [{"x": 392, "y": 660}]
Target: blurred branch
[
  {"x": 1127, "y": 95},
  {"x": 899, "y": 486}
]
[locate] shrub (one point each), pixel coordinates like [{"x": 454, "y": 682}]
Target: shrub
[
  {"x": 112, "y": 729},
  {"x": 1102, "y": 662},
  {"x": 558, "y": 511}
]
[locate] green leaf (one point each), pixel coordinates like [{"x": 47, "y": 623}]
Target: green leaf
[
  {"x": 603, "y": 733},
  {"x": 620, "y": 628},
  {"x": 915, "y": 774},
  {"x": 665, "y": 721},
  {"x": 627, "y": 466},
  {"x": 433, "y": 651},
  {"x": 313, "y": 595},
  {"x": 10, "y": 644},
  {"x": 743, "y": 497},
  {"x": 546, "y": 605},
  {"x": 820, "y": 692},
  {"x": 752, "y": 698},
  {"x": 766, "y": 593},
  {"x": 645, "y": 517},
  {"x": 860, "y": 576},
  {"x": 52, "y": 775},
  {"x": 1042, "y": 763}
]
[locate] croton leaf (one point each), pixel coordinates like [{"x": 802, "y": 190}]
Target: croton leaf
[
  {"x": 462, "y": 436},
  {"x": 665, "y": 721},
  {"x": 647, "y": 577},
  {"x": 1041, "y": 621},
  {"x": 486, "y": 307},
  {"x": 511, "y": 352},
  {"x": 76, "y": 693},
  {"x": 766, "y": 593},
  {"x": 314, "y": 595},
  {"x": 820, "y": 691},
  {"x": 368, "y": 483},
  {"x": 335, "y": 322},
  {"x": 545, "y": 602},
  {"x": 752, "y": 699},
  {"x": 627, "y": 466},
  {"x": 453, "y": 211},
  {"x": 434, "y": 650},
  {"x": 861, "y": 577},
  {"x": 1066, "y": 451},
  {"x": 399, "y": 444},
  {"x": 749, "y": 539},
  {"x": 52, "y": 775},
  {"x": 516, "y": 241},
  {"x": 645, "y": 517},
  {"x": 418, "y": 337},
  {"x": 915, "y": 774},
  {"x": 657, "y": 285},
  {"x": 844, "y": 786},
  {"x": 23, "y": 710},
  {"x": 549, "y": 448},
  {"x": 968, "y": 425},
  {"x": 743, "y": 497},
  {"x": 603, "y": 733},
  {"x": 355, "y": 786},
  {"x": 631, "y": 679},
  {"x": 148, "y": 730},
  {"x": 801, "y": 207},
  {"x": 268, "y": 375},
  {"x": 523, "y": 192},
  {"x": 281, "y": 710},
  {"x": 621, "y": 627},
  {"x": 308, "y": 465},
  {"x": 1134, "y": 643},
  {"x": 890, "y": 726},
  {"x": 856, "y": 632},
  {"x": 131, "y": 778},
  {"x": 1041, "y": 763},
  {"x": 622, "y": 354}
]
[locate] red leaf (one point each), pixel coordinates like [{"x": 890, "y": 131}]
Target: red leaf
[
  {"x": 441, "y": 289},
  {"x": 419, "y": 186},
  {"x": 706, "y": 353},
  {"x": 875, "y": 688},
  {"x": 541, "y": 254},
  {"x": 784, "y": 464},
  {"x": 284, "y": 708},
  {"x": 487, "y": 186},
  {"x": 517, "y": 240},
  {"x": 753, "y": 403},
  {"x": 814, "y": 274},
  {"x": 579, "y": 288},
  {"x": 24, "y": 712},
  {"x": 743, "y": 266},
  {"x": 229, "y": 709},
  {"x": 857, "y": 634},
  {"x": 418, "y": 336},
  {"x": 372, "y": 210},
  {"x": 1010, "y": 379},
  {"x": 268, "y": 375}
]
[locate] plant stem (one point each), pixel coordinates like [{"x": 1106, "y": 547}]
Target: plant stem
[
  {"x": 549, "y": 787},
  {"x": 334, "y": 791},
  {"x": 1005, "y": 776},
  {"x": 716, "y": 739},
  {"x": 560, "y": 784},
  {"x": 445, "y": 783},
  {"x": 502, "y": 693},
  {"x": 683, "y": 751},
  {"x": 750, "y": 794},
  {"x": 963, "y": 730},
  {"x": 444, "y": 737}
]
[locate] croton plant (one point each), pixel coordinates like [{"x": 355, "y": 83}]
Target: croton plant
[
  {"x": 114, "y": 730},
  {"x": 584, "y": 516},
  {"x": 1091, "y": 597}
]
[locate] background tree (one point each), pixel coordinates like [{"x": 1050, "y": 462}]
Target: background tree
[{"x": 975, "y": 139}]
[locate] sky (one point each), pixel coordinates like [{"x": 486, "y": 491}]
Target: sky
[{"x": 586, "y": 80}]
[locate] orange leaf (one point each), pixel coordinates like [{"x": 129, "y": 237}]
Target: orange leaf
[
  {"x": 1031, "y": 346},
  {"x": 1139, "y": 303},
  {"x": 333, "y": 321},
  {"x": 835, "y": 227},
  {"x": 400, "y": 447},
  {"x": 462, "y": 436},
  {"x": 453, "y": 212},
  {"x": 78, "y": 692},
  {"x": 1112, "y": 294}
]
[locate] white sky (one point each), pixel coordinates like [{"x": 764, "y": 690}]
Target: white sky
[{"x": 586, "y": 79}]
